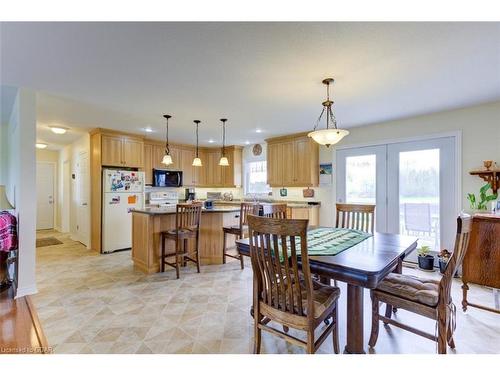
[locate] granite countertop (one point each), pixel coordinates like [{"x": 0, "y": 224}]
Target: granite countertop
[
  {"x": 172, "y": 210},
  {"x": 293, "y": 204}
]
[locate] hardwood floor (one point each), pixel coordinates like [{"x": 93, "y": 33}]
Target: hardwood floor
[
  {"x": 90, "y": 303},
  {"x": 20, "y": 329}
]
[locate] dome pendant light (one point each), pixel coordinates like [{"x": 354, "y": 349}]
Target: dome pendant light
[
  {"x": 167, "y": 158},
  {"x": 223, "y": 160},
  {"x": 330, "y": 135},
  {"x": 197, "y": 160}
]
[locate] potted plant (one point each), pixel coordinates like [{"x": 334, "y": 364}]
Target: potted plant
[
  {"x": 425, "y": 259},
  {"x": 481, "y": 203},
  {"x": 443, "y": 258}
]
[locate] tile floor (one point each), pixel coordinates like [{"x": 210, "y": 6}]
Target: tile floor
[{"x": 91, "y": 303}]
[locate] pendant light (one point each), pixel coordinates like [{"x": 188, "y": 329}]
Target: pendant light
[
  {"x": 330, "y": 135},
  {"x": 223, "y": 160},
  {"x": 167, "y": 158},
  {"x": 197, "y": 160}
]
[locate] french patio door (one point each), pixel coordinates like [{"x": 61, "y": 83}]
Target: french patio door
[{"x": 413, "y": 185}]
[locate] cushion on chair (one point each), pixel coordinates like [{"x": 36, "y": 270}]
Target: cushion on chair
[
  {"x": 323, "y": 297},
  {"x": 413, "y": 288}
]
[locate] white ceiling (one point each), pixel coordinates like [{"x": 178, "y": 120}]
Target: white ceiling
[{"x": 264, "y": 76}]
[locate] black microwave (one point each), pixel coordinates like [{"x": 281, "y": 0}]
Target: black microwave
[{"x": 165, "y": 178}]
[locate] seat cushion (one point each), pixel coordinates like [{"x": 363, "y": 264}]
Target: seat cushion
[
  {"x": 323, "y": 297},
  {"x": 412, "y": 288}
]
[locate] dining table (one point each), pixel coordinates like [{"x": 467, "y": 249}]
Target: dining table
[{"x": 360, "y": 266}]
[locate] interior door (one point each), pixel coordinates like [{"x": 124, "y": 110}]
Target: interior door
[
  {"x": 45, "y": 195},
  {"x": 83, "y": 185},
  {"x": 362, "y": 178}
]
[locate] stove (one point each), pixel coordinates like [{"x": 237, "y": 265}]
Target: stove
[{"x": 163, "y": 198}]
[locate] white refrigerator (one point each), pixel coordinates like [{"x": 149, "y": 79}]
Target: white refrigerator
[{"x": 122, "y": 191}]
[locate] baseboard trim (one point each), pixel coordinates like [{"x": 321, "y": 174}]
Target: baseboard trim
[{"x": 26, "y": 291}]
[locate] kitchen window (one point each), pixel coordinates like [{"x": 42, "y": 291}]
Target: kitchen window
[{"x": 256, "y": 178}]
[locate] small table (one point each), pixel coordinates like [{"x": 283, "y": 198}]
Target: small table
[{"x": 361, "y": 266}]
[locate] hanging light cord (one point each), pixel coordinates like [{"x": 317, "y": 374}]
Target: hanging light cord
[
  {"x": 223, "y": 138},
  {"x": 167, "y": 148},
  {"x": 197, "y": 123},
  {"x": 327, "y": 105}
]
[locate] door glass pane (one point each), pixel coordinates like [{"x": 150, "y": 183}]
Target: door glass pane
[
  {"x": 361, "y": 175},
  {"x": 419, "y": 196}
]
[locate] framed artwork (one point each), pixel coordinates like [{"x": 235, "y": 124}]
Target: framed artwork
[{"x": 325, "y": 173}]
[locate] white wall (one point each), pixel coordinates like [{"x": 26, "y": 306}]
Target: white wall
[
  {"x": 18, "y": 174},
  {"x": 479, "y": 125}
]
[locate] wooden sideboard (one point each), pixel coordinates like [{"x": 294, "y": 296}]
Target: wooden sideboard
[{"x": 481, "y": 263}]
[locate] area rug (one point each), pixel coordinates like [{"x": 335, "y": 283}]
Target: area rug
[{"x": 47, "y": 241}]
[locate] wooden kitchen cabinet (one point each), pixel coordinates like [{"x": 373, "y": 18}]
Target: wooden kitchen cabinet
[
  {"x": 232, "y": 174},
  {"x": 310, "y": 212},
  {"x": 112, "y": 151},
  {"x": 274, "y": 164},
  {"x": 292, "y": 161},
  {"x": 133, "y": 153},
  {"x": 119, "y": 151}
]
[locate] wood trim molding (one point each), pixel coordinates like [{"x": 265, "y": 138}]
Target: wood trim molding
[{"x": 287, "y": 137}]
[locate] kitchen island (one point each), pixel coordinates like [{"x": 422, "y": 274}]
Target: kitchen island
[{"x": 148, "y": 223}]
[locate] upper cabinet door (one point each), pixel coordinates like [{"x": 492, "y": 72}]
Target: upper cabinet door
[
  {"x": 288, "y": 165},
  {"x": 188, "y": 172},
  {"x": 274, "y": 165},
  {"x": 112, "y": 151},
  {"x": 132, "y": 153},
  {"x": 302, "y": 162},
  {"x": 213, "y": 169}
]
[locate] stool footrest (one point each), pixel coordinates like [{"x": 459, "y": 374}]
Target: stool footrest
[{"x": 233, "y": 256}]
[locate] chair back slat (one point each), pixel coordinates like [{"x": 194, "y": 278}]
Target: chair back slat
[
  {"x": 247, "y": 209},
  {"x": 464, "y": 225},
  {"x": 276, "y": 211},
  {"x": 188, "y": 216},
  {"x": 355, "y": 216},
  {"x": 274, "y": 249}
]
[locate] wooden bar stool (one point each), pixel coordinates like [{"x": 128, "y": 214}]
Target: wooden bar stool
[
  {"x": 239, "y": 231},
  {"x": 187, "y": 226}
]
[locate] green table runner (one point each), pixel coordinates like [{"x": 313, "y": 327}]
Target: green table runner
[{"x": 329, "y": 241}]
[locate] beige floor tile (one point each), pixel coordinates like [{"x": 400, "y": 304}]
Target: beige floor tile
[{"x": 89, "y": 303}]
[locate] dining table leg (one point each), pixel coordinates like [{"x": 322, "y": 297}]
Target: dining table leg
[{"x": 354, "y": 320}]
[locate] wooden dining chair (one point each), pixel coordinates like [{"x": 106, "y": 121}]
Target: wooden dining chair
[
  {"x": 275, "y": 210},
  {"x": 239, "y": 230},
  {"x": 429, "y": 298},
  {"x": 283, "y": 294},
  {"x": 187, "y": 226},
  {"x": 356, "y": 216}
]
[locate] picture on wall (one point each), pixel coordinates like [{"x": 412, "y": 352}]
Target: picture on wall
[{"x": 325, "y": 173}]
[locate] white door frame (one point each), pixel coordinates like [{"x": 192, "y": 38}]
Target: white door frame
[
  {"x": 380, "y": 151},
  {"x": 456, "y": 134},
  {"x": 447, "y": 223},
  {"x": 54, "y": 188}
]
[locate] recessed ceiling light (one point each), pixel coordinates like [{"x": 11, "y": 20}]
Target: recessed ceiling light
[
  {"x": 58, "y": 129},
  {"x": 41, "y": 146},
  {"x": 258, "y": 130},
  {"x": 148, "y": 129},
  {"x": 247, "y": 142},
  {"x": 211, "y": 141}
]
